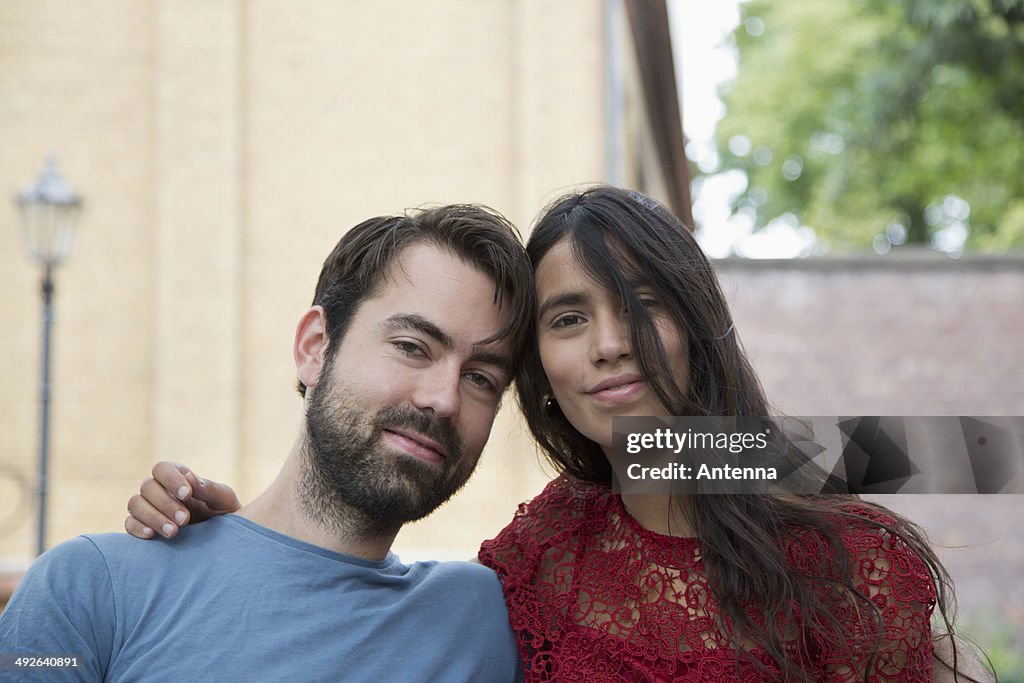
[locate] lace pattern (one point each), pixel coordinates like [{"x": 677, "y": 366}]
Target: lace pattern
[{"x": 595, "y": 597}]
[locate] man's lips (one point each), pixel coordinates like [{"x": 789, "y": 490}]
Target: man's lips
[
  {"x": 415, "y": 444},
  {"x": 618, "y": 388}
]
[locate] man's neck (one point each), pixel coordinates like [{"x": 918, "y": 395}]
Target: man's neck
[{"x": 281, "y": 508}]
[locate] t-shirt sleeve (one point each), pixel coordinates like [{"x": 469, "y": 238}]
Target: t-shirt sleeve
[
  {"x": 64, "y": 606},
  {"x": 491, "y": 610}
]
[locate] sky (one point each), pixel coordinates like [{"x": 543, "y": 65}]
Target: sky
[{"x": 704, "y": 60}]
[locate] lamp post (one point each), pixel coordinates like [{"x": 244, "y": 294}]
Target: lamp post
[{"x": 49, "y": 212}]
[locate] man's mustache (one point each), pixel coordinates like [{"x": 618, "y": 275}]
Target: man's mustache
[{"x": 409, "y": 418}]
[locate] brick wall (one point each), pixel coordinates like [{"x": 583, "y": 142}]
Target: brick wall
[
  {"x": 910, "y": 333},
  {"x": 222, "y": 147},
  {"x": 919, "y": 334}
]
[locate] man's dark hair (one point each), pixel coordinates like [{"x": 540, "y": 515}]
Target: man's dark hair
[{"x": 480, "y": 236}]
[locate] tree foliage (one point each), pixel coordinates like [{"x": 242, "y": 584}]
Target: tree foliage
[{"x": 874, "y": 117}]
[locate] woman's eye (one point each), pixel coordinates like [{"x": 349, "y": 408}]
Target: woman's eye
[
  {"x": 567, "y": 320},
  {"x": 648, "y": 299},
  {"x": 408, "y": 348}
]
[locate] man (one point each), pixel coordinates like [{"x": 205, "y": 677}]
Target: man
[{"x": 416, "y": 327}]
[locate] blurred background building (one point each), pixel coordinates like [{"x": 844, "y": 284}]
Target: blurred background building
[{"x": 223, "y": 146}]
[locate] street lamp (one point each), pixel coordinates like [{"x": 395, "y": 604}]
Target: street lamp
[{"x": 49, "y": 212}]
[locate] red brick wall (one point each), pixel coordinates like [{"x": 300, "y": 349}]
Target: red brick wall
[
  {"x": 910, "y": 334},
  {"x": 917, "y": 335}
]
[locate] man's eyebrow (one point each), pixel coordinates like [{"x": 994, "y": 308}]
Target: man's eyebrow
[
  {"x": 497, "y": 359},
  {"x": 561, "y": 299},
  {"x": 405, "y": 321},
  {"x": 418, "y": 322}
]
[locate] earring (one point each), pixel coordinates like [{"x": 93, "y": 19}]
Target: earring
[{"x": 549, "y": 403}]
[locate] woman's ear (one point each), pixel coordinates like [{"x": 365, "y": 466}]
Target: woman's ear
[{"x": 310, "y": 345}]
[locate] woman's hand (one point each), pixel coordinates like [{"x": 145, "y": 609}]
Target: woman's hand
[{"x": 173, "y": 497}]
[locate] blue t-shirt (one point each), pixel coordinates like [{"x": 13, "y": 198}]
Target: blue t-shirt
[{"x": 230, "y": 600}]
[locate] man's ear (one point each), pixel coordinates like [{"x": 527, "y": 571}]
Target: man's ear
[{"x": 310, "y": 345}]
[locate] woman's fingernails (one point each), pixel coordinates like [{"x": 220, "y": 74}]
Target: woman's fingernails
[
  {"x": 179, "y": 517},
  {"x": 182, "y": 492},
  {"x": 167, "y": 529}
]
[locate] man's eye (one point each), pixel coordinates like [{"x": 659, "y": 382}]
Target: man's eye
[
  {"x": 482, "y": 381},
  {"x": 408, "y": 348},
  {"x": 567, "y": 320}
]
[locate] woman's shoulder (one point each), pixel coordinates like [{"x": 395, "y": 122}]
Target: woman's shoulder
[
  {"x": 855, "y": 521},
  {"x": 869, "y": 527},
  {"x": 879, "y": 548},
  {"x": 569, "y": 494},
  {"x": 559, "y": 511},
  {"x": 563, "y": 505}
]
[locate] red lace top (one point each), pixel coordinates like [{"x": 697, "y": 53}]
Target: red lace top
[{"x": 595, "y": 597}]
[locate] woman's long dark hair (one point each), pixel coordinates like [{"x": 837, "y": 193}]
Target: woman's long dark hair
[{"x": 621, "y": 238}]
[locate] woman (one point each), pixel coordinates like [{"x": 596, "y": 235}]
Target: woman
[{"x": 601, "y": 586}]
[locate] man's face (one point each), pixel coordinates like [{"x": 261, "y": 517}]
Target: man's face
[{"x": 402, "y": 410}]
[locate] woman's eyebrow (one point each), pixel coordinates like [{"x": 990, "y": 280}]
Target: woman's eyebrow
[
  {"x": 642, "y": 283},
  {"x": 561, "y": 299}
]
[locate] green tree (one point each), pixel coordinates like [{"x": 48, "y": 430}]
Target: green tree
[{"x": 869, "y": 117}]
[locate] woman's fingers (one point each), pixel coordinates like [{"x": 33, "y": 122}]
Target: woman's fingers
[
  {"x": 146, "y": 516},
  {"x": 173, "y": 477},
  {"x": 137, "y": 528},
  {"x": 217, "y": 498},
  {"x": 173, "y": 497}
]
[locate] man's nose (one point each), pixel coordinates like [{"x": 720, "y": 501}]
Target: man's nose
[{"x": 437, "y": 392}]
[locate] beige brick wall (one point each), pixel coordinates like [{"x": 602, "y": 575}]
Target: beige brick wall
[
  {"x": 76, "y": 77},
  {"x": 222, "y": 148}
]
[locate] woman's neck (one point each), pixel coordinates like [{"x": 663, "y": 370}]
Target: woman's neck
[{"x": 658, "y": 512}]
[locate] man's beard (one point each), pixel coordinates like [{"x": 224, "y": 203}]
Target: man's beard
[{"x": 349, "y": 469}]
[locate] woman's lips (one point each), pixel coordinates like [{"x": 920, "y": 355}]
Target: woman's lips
[{"x": 618, "y": 389}]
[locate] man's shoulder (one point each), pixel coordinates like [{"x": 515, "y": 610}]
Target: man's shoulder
[
  {"x": 74, "y": 559},
  {"x": 120, "y": 544},
  {"x": 468, "y": 583},
  {"x": 83, "y": 548},
  {"x": 104, "y": 544},
  {"x": 86, "y": 558},
  {"x": 458, "y": 572},
  {"x": 123, "y": 561}
]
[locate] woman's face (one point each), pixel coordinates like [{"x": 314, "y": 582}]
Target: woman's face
[{"x": 585, "y": 348}]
